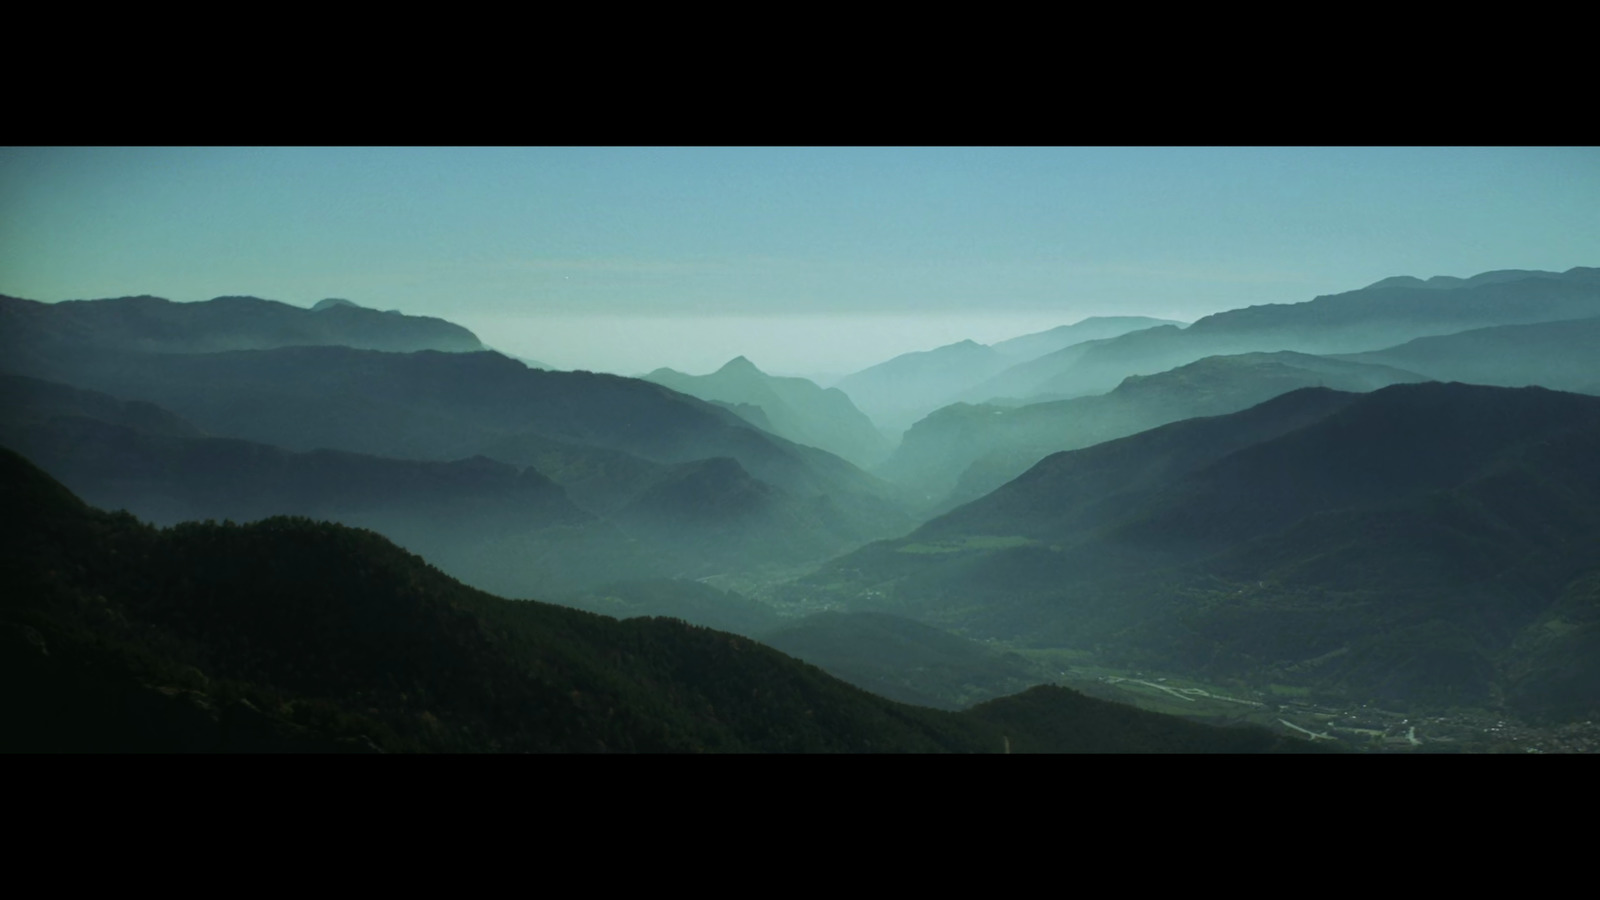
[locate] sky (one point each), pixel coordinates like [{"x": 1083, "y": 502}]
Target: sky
[{"x": 812, "y": 260}]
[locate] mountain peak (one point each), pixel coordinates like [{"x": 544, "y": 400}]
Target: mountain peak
[
  {"x": 331, "y": 302},
  {"x": 739, "y": 365}
]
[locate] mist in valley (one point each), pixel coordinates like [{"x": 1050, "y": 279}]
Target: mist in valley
[{"x": 986, "y": 433}]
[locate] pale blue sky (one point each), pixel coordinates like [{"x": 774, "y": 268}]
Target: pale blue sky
[{"x": 596, "y": 257}]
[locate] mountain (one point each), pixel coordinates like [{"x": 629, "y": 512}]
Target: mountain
[
  {"x": 139, "y": 457},
  {"x": 35, "y": 331},
  {"x": 1094, "y": 328},
  {"x": 440, "y": 406},
  {"x": 331, "y": 302},
  {"x": 1391, "y": 544},
  {"x": 1499, "y": 276},
  {"x": 1380, "y": 316},
  {"x": 904, "y": 389},
  {"x": 615, "y": 445},
  {"x": 962, "y": 452},
  {"x": 792, "y": 408},
  {"x": 288, "y": 635},
  {"x": 1372, "y": 318},
  {"x": 498, "y": 526},
  {"x": 530, "y": 363},
  {"x": 1030, "y": 380},
  {"x": 1564, "y": 356}
]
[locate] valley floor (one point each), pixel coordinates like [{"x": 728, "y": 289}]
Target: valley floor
[{"x": 1358, "y": 726}]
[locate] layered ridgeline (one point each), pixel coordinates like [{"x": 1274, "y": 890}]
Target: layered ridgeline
[
  {"x": 1093, "y": 360},
  {"x": 963, "y": 451},
  {"x": 1095, "y": 328},
  {"x": 33, "y": 331},
  {"x": 139, "y": 457},
  {"x": 683, "y": 488},
  {"x": 792, "y": 408},
  {"x": 498, "y": 525},
  {"x": 902, "y": 390},
  {"x": 1428, "y": 542},
  {"x": 489, "y": 521},
  {"x": 1381, "y": 315},
  {"x": 290, "y": 635},
  {"x": 1561, "y": 355}
]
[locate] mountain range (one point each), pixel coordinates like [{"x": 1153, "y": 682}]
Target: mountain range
[
  {"x": 962, "y": 452},
  {"x": 901, "y": 390},
  {"x": 33, "y": 330},
  {"x": 1381, "y": 315},
  {"x": 683, "y": 487},
  {"x": 292, "y": 636},
  {"x": 792, "y": 408},
  {"x": 1396, "y": 544},
  {"x": 1384, "y": 496}
]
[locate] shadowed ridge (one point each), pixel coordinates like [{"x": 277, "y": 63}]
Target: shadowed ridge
[
  {"x": 1390, "y": 545},
  {"x": 293, "y": 635}
]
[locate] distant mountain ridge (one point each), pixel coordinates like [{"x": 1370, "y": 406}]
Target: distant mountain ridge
[
  {"x": 155, "y": 325},
  {"x": 1094, "y": 328},
  {"x": 792, "y": 408},
  {"x": 1356, "y": 321},
  {"x": 1447, "y": 282},
  {"x": 900, "y": 391},
  {"x": 1031, "y": 381},
  {"x": 1561, "y": 355},
  {"x": 897, "y": 392},
  {"x": 1342, "y": 322},
  {"x": 966, "y": 451},
  {"x": 1391, "y": 311},
  {"x": 496, "y": 524},
  {"x": 168, "y": 471}
]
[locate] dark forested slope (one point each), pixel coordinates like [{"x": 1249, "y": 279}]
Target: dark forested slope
[
  {"x": 294, "y": 635},
  {"x": 1404, "y": 539}
]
